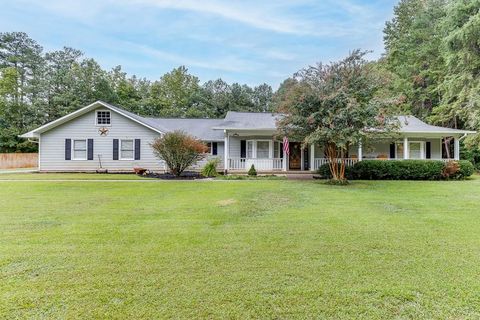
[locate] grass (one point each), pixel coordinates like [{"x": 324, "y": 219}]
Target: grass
[{"x": 239, "y": 249}]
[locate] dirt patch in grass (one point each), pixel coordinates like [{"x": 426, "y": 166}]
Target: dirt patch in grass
[{"x": 226, "y": 202}]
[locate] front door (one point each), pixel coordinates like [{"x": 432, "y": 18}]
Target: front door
[{"x": 294, "y": 159}]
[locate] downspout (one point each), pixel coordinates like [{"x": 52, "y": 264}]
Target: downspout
[
  {"x": 32, "y": 141},
  {"x": 463, "y": 137}
]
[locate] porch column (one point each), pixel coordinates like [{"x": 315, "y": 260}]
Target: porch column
[
  {"x": 456, "y": 146},
  {"x": 284, "y": 161},
  {"x": 360, "y": 151},
  {"x": 226, "y": 152},
  {"x": 405, "y": 148},
  {"x": 302, "y": 160},
  {"x": 312, "y": 157}
]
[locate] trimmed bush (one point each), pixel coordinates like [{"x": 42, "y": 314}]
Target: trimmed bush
[
  {"x": 398, "y": 170},
  {"x": 324, "y": 172},
  {"x": 404, "y": 170},
  {"x": 466, "y": 169},
  {"x": 252, "y": 171},
  {"x": 210, "y": 168}
]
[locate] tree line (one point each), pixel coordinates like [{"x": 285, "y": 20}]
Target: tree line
[
  {"x": 430, "y": 68},
  {"x": 37, "y": 87}
]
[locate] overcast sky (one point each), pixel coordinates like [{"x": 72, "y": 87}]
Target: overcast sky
[{"x": 240, "y": 41}]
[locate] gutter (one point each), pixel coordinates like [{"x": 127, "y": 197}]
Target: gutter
[{"x": 463, "y": 137}]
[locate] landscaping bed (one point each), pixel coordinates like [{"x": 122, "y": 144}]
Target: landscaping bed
[{"x": 187, "y": 175}]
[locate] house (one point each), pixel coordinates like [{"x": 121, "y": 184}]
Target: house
[{"x": 101, "y": 135}]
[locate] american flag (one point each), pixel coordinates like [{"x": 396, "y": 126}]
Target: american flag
[{"x": 286, "y": 147}]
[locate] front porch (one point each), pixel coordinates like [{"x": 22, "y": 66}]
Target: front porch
[{"x": 266, "y": 153}]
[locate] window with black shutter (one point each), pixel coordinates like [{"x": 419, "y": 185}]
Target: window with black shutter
[
  {"x": 68, "y": 149},
  {"x": 243, "y": 148},
  {"x": 115, "y": 149},
  {"x": 214, "y": 148},
  {"x": 428, "y": 150},
  {"x": 392, "y": 150}
]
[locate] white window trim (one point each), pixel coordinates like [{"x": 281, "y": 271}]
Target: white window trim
[
  {"x": 211, "y": 148},
  {"x": 254, "y": 148},
  {"x": 120, "y": 150},
  {"x": 73, "y": 150},
  {"x": 96, "y": 118}
]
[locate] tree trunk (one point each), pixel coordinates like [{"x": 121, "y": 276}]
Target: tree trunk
[{"x": 336, "y": 162}]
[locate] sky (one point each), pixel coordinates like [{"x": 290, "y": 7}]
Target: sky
[{"x": 247, "y": 41}]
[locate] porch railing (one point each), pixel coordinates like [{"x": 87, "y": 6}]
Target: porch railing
[
  {"x": 318, "y": 162},
  {"x": 269, "y": 164}
]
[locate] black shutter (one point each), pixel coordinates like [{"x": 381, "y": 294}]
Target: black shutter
[
  {"x": 214, "y": 148},
  {"x": 243, "y": 148},
  {"x": 115, "y": 149},
  {"x": 392, "y": 150},
  {"x": 90, "y": 149},
  {"x": 281, "y": 150},
  {"x": 68, "y": 149},
  {"x": 137, "y": 149},
  {"x": 429, "y": 150}
]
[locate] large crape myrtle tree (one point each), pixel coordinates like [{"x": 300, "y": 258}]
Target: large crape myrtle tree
[
  {"x": 179, "y": 150},
  {"x": 336, "y": 105}
]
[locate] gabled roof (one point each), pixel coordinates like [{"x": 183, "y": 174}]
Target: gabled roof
[
  {"x": 411, "y": 124},
  {"x": 136, "y": 118},
  {"x": 249, "y": 121}
]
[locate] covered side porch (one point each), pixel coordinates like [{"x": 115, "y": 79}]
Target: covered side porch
[
  {"x": 410, "y": 147},
  {"x": 266, "y": 152}
]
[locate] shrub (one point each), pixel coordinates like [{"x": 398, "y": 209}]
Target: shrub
[
  {"x": 466, "y": 169},
  {"x": 398, "y": 170},
  {"x": 210, "y": 168},
  {"x": 325, "y": 172},
  {"x": 252, "y": 171},
  {"x": 179, "y": 150}
]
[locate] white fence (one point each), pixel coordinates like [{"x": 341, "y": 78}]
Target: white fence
[{"x": 270, "y": 164}]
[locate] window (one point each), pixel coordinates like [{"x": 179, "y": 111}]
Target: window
[
  {"x": 250, "y": 149},
  {"x": 126, "y": 149},
  {"x": 399, "y": 151},
  {"x": 212, "y": 148},
  {"x": 79, "y": 149},
  {"x": 263, "y": 149},
  {"x": 277, "y": 149},
  {"x": 103, "y": 118},
  {"x": 415, "y": 150}
]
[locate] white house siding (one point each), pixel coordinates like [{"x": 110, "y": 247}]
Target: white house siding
[
  {"x": 220, "y": 155},
  {"x": 52, "y": 145}
]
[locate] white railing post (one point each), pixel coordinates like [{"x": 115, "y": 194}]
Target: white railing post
[{"x": 226, "y": 151}]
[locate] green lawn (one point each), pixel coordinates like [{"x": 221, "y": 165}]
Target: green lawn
[{"x": 239, "y": 249}]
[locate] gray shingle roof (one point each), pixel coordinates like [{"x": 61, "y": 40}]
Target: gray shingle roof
[
  {"x": 249, "y": 121},
  {"x": 411, "y": 124},
  {"x": 212, "y": 129},
  {"x": 200, "y": 128}
]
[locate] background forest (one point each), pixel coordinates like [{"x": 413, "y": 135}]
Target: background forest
[{"x": 430, "y": 67}]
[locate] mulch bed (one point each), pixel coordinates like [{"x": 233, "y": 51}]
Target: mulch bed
[{"x": 168, "y": 176}]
